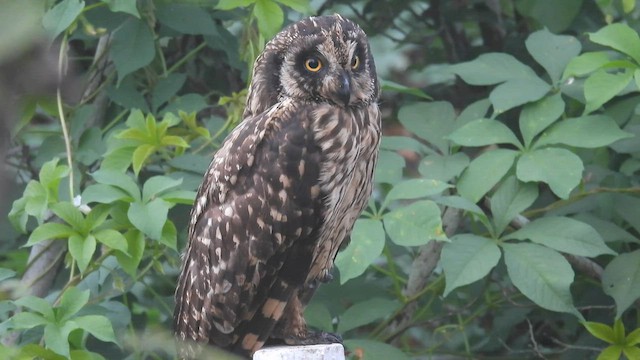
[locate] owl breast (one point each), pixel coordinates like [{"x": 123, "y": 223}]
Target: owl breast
[{"x": 350, "y": 142}]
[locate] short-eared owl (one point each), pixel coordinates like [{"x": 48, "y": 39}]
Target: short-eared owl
[{"x": 283, "y": 192}]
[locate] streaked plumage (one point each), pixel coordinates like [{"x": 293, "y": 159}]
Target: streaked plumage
[{"x": 283, "y": 192}]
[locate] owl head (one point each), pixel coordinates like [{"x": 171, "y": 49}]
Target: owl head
[{"x": 323, "y": 59}]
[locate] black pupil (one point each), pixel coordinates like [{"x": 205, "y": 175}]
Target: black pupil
[
  {"x": 354, "y": 62},
  {"x": 313, "y": 63}
]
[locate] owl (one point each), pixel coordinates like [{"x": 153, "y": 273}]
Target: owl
[{"x": 282, "y": 193}]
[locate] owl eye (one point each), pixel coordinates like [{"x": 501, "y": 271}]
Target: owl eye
[
  {"x": 313, "y": 64},
  {"x": 355, "y": 62}
]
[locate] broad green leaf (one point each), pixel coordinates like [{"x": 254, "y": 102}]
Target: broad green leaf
[
  {"x": 510, "y": 199},
  {"x": 166, "y": 88},
  {"x": 560, "y": 168},
  {"x": 555, "y": 15},
  {"x": 553, "y": 52},
  {"x": 537, "y": 116},
  {"x": 586, "y": 63},
  {"x": 104, "y": 194},
  {"x": 619, "y": 331},
  {"x": 112, "y": 239},
  {"x": 466, "y": 259},
  {"x": 631, "y": 352},
  {"x": 459, "y": 202},
  {"x": 415, "y": 224},
  {"x": 601, "y": 331},
  {"x": 517, "y": 92},
  {"x": 587, "y": 132},
  {"x": 36, "y": 200},
  {"x": 186, "y": 18},
  {"x": 70, "y": 214},
  {"x": 633, "y": 338},
  {"x": 118, "y": 160},
  {"x": 191, "y": 162},
  {"x": 179, "y": 196},
  {"x": 270, "y": 17},
  {"x": 628, "y": 208},
  {"x": 366, "y": 312},
  {"x": 135, "y": 248},
  {"x": 48, "y": 231},
  {"x": 191, "y": 102},
  {"x": 609, "y": 231},
  {"x": 397, "y": 143},
  {"x": 367, "y": 243},
  {"x": 431, "y": 121},
  {"x": 389, "y": 167},
  {"x": 564, "y": 234},
  {"x": 318, "y": 316},
  {"x": 621, "y": 280},
  {"x": 484, "y": 172},
  {"x": 542, "y": 275},
  {"x": 374, "y": 350},
  {"x": 117, "y": 179},
  {"x": 628, "y": 6},
  {"x": 125, "y": 6},
  {"x": 612, "y": 352},
  {"x": 61, "y": 16},
  {"x": 232, "y": 4},
  {"x": 51, "y": 174},
  {"x": 169, "y": 235},
  {"x": 619, "y": 37},
  {"x": 602, "y": 86},
  {"x": 301, "y": 6},
  {"x": 27, "y": 320},
  {"x": 97, "y": 216},
  {"x": 149, "y": 217},
  {"x": 38, "y": 305},
  {"x": 484, "y": 132},
  {"x": 140, "y": 155},
  {"x": 71, "y": 302},
  {"x": 157, "y": 185},
  {"x": 387, "y": 85},
  {"x": 6, "y": 274},
  {"x": 132, "y": 47},
  {"x": 82, "y": 249},
  {"x": 475, "y": 111},
  {"x": 443, "y": 167},
  {"x": 18, "y": 216},
  {"x": 176, "y": 141},
  {"x": 416, "y": 188},
  {"x": 492, "y": 68},
  {"x": 55, "y": 338},
  {"x": 96, "y": 325}
]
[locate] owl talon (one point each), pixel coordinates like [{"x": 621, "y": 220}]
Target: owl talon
[
  {"x": 325, "y": 277},
  {"x": 315, "y": 338}
]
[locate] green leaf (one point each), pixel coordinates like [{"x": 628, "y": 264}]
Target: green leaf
[
  {"x": 301, "y": 6},
  {"x": 374, "y": 350},
  {"x": 601, "y": 331},
  {"x": 18, "y": 216},
  {"x": 587, "y": 132},
  {"x": 71, "y": 302},
  {"x": 431, "y": 121},
  {"x": 484, "y": 132},
  {"x": 187, "y": 18},
  {"x": 125, "y": 6},
  {"x": 484, "y": 172},
  {"x": 492, "y": 68},
  {"x": 633, "y": 338},
  {"x": 6, "y": 274},
  {"x": 467, "y": 258},
  {"x": 542, "y": 275},
  {"x": 169, "y": 235},
  {"x": 158, "y": 185},
  {"x": 186, "y": 197},
  {"x": 365, "y": 312},
  {"x": 415, "y": 224},
  {"x": 631, "y": 352},
  {"x": 475, "y": 111},
  {"x": 443, "y": 167},
  {"x": 537, "y": 116},
  {"x": 621, "y": 280},
  {"x": 140, "y": 155},
  {"x": 149, "y": 217},
  {"x": 367, "y": 243},
  {"x": 459, "y": 202},
  {"x": 602, "y": 86},
  {"x": 118, "y": 160},
  {"x": 166, "y": 88},
  {"x": 70, "y": 214},
  {"x": 38, "y": 305},
  {"x": 48, "y": 231},
  {"x": 56, "y": 339},
  {"x": 135, "y": 248},
  {"x": 387, "y": 85},
  {"x": 618, "y": 331},
  {"x": 119, "y": 180},
  {"x": 82, "y": 249},
  {"x": 510, "y": 199},
  {"x": 132, "y": 47},
  {"x": 555, "y": 15},
  {"x": 51, "y": 174},
  {"x": 389, "y": 167},
  {"x": 416, "y": 188},
  {"x": 560, "y": 168},
  {"x": 619, "y": 37},
  {"x": 27, "y": 320},
  {"x": 586, "y": 63},
  {"x": 318, "y": 316},
  {"x": 36, "y": 200},
  {"x": 270, "y": 17},
  {"x": 112, "y": 239},
  {"x": 98, "y": 326},
  {"x": 553, "y": 52},
  {"x": 564, "y": 234},
  {"x": 176, "y": 141},
  {"x": 612, "y": 352},
  {"x": 517, "y": 92},
  {"x": 104, "y": 194},
  {"x": 61, "y": 16},
  {"x": 232, "y": 4}
]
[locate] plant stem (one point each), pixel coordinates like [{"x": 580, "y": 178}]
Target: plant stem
[{"x": 63, "y": 123}]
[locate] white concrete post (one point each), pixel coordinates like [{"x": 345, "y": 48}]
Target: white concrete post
[{"x": 308, "y": 352}]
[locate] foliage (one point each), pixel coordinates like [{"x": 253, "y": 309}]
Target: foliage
[{"x": 505, "y": 220}]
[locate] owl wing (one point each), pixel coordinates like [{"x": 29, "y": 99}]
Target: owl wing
[{"x": 252, "y": 229}]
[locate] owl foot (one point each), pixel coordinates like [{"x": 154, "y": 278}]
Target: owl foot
[{"x": 315, "y": 338}]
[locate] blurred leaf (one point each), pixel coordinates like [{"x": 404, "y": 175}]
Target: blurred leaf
[
  {"x": 431, "y": 121},
  {"x": 475, "y": 111},
  {"x": 389, "y": 167},
  {"x": 537, "y": 116},
  {"x": 132, "y": 47},
  {"x": 459, "y": 202},
  {"x": 82, "y": 249},
  {"x": 619, "y": 37},
  {"x": 186, "y": 18},
  {"x": 555, "y": 15},
  {"x": 125, "y": 6},
  {"x": 119, "y": 180},
  {"x": 601, "y": 331},
  {"x": 135, "y": 248},
  {"x": 270, "y": 17},
  {"x": 388, "y": 85},
  {"x": 612, "y": 352},
  {"x": 38, "y": 305},
  {"x": 631, "y": 352},
  {"x": 587, "y": 131},
  {"x": 443, "y": 167},
  {"x": 367, "y": 243},
  {"x": 586, "y": 63},
  {"x": 149, "y": 217},
  {"x": 484, "y": 172},
  {"x": 166, "y": 88},
  {"x": 416, "y": 188},
  {"x": 70, "y": 214},
  {"x": 27, "y": 320},
  {"x": 169, "y": 235},
  {"x": 72, "y": 300},
  {"x": 484, "y": 132},
  {"x": 542, "y": 275},
  {"x": 491, "y": 69},
  {"x": 621, "y": 280},
  {"x": 510, "y": 199},
  {"x": 6, "y": 274},
  {"x": 112, "y": 239},
  {"x": 634, "y": 337},
  {"x": 232, "y": 4},
  {"x": 466, "y": 259},
  {"x": 103, "y": 193},
  {"x": 374, "y": 350},
  {"x": 61, "y": 16},
  {"x": 602, "y": 86},
  {"x": 553, "y": 52},
  {"x": 301, "y": 6},
  {"x": 415, "y": 224},
  {"x": 98, "y": 326},
  {"x": 560, "y": 168},
  {"x": 55, "y": 338},
  {"x": 48, "y": 231},
  {"x": 318, "y": 316},
  {"x": 517, "y": 92},
  {"x": 366, "y": 312}
]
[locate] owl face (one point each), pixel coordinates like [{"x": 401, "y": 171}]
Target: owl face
[{"x": 324, "y": 59}]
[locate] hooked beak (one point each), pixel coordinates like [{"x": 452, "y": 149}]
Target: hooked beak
[{"x": 344, "y": 91}]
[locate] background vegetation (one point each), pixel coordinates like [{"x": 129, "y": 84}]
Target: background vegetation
[{"x": 506, "y": 218}]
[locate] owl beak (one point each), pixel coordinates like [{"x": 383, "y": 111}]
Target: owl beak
[{"x": 344, "y": 91}]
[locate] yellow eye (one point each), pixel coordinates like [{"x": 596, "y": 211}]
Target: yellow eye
[
  {"x": 313, "y": 64},
  {"x": 355, "y": 62}
]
